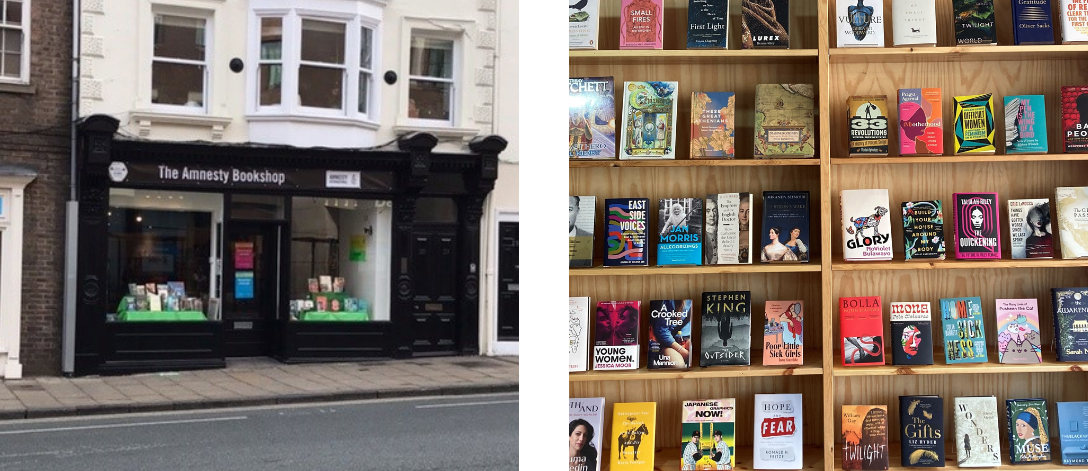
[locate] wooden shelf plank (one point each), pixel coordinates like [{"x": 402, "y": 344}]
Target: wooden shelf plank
[
  {"x": 940, "y": 159},
  {"x": 951, "y": 264},
  {"x": 668, "y": 459},
  {"x": 734, "y": 56},
  {"x": 958, "y": 53},
  {"x": 1050, "y": 364},
  {"x": 895, "y": 457},
  {"x": 813, "y": 365},
  {"x": 597, "y": 270},
  {"x": 694, "y": 163}
]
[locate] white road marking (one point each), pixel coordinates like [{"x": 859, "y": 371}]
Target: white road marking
[
  {"x": 432, "y": 406},
  {"x": 133, "y": 424}
]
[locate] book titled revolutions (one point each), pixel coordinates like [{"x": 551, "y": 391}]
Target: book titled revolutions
[
  {"x": 586, "y": 429},
  {"x": 777, "y": 441},
  {"x": 974, "y": 124},
  {"x": 583, "y": 21},
  {"x": 1029, "y": 430},
  {"x": 615, "y": 344},
  {"x": 1073, "y": 432},
  {"x": 625, "y": 241},
  {"x": 868, "y": 116},
  {"x": 579, "y": 333},
  {"x": 1070, "y": 323},
  {"x": 728, "y": 237},
  {"x": 860, "y": 23},
  {"x": 911, "y": 340},
  {"x": 923, "y": 230},
  {"x": 712, "y": 125},
  {"x": 670, "y": 334},
  {"x": 1030, "y": 233},
  {"x": 709, "y": 434},
  {"x": 963, "y": 330},
  {"x": 785, "y": 121},
  {"x": 867, "y": 228},
  {"x": 1018, "y": 338},
  {"x": 649, "y": 120},
  {"x": 1031, "y": 22},
  {"x": 633, "y": 434},
  {"x": 783, "y": 333},
  {"x": 1025, "y": 124},
  {"x": 978, "y": 444},
  {"x": 642, "y": 24},
  {"x": 785, "y": 236},
  {"x": 727, "y": 328},
  {"x": 765, "y": 24},
  {"x": 861, "y": 324},
  {"x": 708, "y": 24},
  {"x": 592, "y": 118},
  {"x": 921, "y": 431},
  {"x": 582, "y": 211},
  {"x": 920, "y": 123},
  {"x": 864, "y": 437},
  {"x": 914, "y": 23},
  {"x": 975, "y": 25},
  {"x": 680, "y": 231},
  {"x": 977, "y": 233},
  {"x": 1071, "y": 210}
]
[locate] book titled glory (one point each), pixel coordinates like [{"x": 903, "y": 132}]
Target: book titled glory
[
  {"x": 712, "y": 125},
  {"x": 1030, "y": 234},
  {"x": 670, "y": 334},
  {"x": 633, "y": 435},
  {"x": 921, "y": 431},
  {"x": 583, "y": 20},
  {"x": 625, "y": 241},
  {"x": 649, "y": 120},
  {"x": 963, "y": 330},
  {"x": 728, "y": 237},
  {"x": 727, "y": 328},
  {"x": 977, "y": 233},
  {"x": 708, "y": 24},
  {"x": 642, "y": 24},
  {"x": 615, "y": 344},
  {"x": 592, "y": 118},
  {"x": 709, "y": 434},
  {"x": 1018, "y": 338},
  {"x": 785, "y": 227},
  {"x": 975, "y": 23},
  {"x": 974, "y": 124},
  {"x": 1071, "y": 207},
  {"x": 978, "y": 444},
  {"x": 680, "y": 231},
  {"x": 864, "y": 437},
  {"x": 912, "y": 334},
  {"x": 860, "y": 23},
  {"x": 777, "y": 438},
  {"x": 783, "y": 333},
  {"x": 581, "y": 211},
  {"x": 1029, "y": 431},
  {"x": 868, "y": 116},
  {"x": 1070, "y": 323},
  {"x": 867, "y": 228},
  {"x": 1073, "y": 432},
  {"x": 923, "y": 230},
  {"x": 765, "y": 24},
  {"x": 920, "y": 131},
  {"x": 579, "y": 333},
  {"x": 861, "y": 324},
  {"x": 586, "y": 430}
]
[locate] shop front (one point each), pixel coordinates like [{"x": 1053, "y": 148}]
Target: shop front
[{"x": 190, "y": 253}]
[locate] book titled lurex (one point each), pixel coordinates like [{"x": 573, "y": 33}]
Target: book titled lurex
[
  {"x": 866, "y": 226},
  {"x": 592, "y": 118},
  {"x": 615, "y": 341},
  {"x": 649, "y": 120},
  {"x": 712, "y": 125},
  {"x": 670, "y": 334},
  {"x": 680, "y": 231},
  {"x": 860, "y": 23},
  {"x": 977, "y": 232},
  {"x": 978, "y": 444},
  {"x": 861, "y": 325},
  {"x": 975, "y": 25},
  {"x": 1073, "y": 432},
  {"x": 864, "y": 437},
  {"x": 583, "y": 22},
  {"x": 868, "y": 117},
  {"x": 709, "y": 434},
  {"x": 581, "y": 211},
  {"x": 1032, "y": 22},
  {"x": 785, "y": 236},
  {"x": 1074, "y": 22},
  {"x": 920, "y": 121},
  {"x": 579, "y": 333},
  {"x": 1071, "y": 210},
  {"x": 777, "y": 437},
  {"x": 727, "y": 328},
  {"x": 633, "y": 434},
  {"x": 783, "y": 333},
  {"x": 708, "y": 24},
  {"x": 765, "y": 24},
  {"x": 1030, "y": 233},
  {"x": 963, "y": 330},
  {"x": 1075, "y": 119},
  {"x": 586, "y": 429},
  {"x": 911, "y": 340},
  {"x": 1029, "y": 430},
  {"x": 1018, "y": 338},
  {"x": 914, "y": 23},
  {"x": 973, "y": 131},
  {"x": 642, "y": 24},
  {"x": 1070, "y": 323},
  {"x": 1025, "y": 124},
  {"x": 785, "y": 121},
  {"x": 625, "y": 242},
  {"x": 921, "y": 431},
  {"x": 728, "y": 237},
  {"x": 923, "y": 230}
]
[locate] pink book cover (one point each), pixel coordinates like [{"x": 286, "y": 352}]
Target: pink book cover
[
  {"x": 642, "y": 24},
  {"x": 977, "y": 232}
]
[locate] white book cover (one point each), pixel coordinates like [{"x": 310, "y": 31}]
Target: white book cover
[
  {"x": 866, "y": 225},
  {"x": 728, "y": 238},
  {"x": 860, "y": 23},
  {"x": 914, "y": 23},
  {"x": 978, "y": 442},
  {"x": 1074, "y": 22},
  {"x": 911, "y": 312},
  {"x": 579, "y": 333},
  {"x": 586, "y": 429},
  {"x": 777, "y": 439},
  {"x": 1030, "y": 234},
  {"x": 649, "y": 120},
  {"x": 584, "y": 19},
  {"x": 1071, "y": 211}
]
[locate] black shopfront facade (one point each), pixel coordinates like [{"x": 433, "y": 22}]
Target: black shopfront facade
[{"x": 244, "y": 232}]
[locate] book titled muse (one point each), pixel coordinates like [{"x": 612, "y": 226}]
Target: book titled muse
[
  {"x": 785, "y": 236},
  {"x": 649, "y": 120},
  {"x": 1029, "y": 431},
  {"x": 923, "y": 230},
  {"x": 778, "y": 426},
  {"x": 709, "y": 433},
  {"x": 920, "y": 122},
  {"x": 867, "y": 229},
  {"x": 712, "y": 125},
  {"x": 974, "y": 124},
  {"x": 680, "y": 231},
  {"x": 1070, "y": 323},
  {"x": 670, "y": 334},
  {"x": 583, "y": 21},
  {"x": 615, "y": 344},
  {"x": 1030, "y": 233},
  {"x": 727, "y": 328},
  {"x": 633, "y": 434},
  {"x": 861, "y": 325},
  {"x": 864, "y": 437},
  {"x": 592, "y": 118},
  {"x": 728, "y": 238},
  {"x": 1018, "y": 338},
  {"x": 1071, "y": 208},
  {"x": 860, "y": 23},
  {"x": 1025, "y": 124},
  {"x": 974, "y": 22},
  {"x": 911, "y": 340},
  {"x": 708, "y": 24},
  {"x": 977, "y": 233},
  {"x": 625, "y": 241},
  {"x": 921, "y": 431},
  {"x": 579, "y": 333},
  {"x": 1073, "y": 432},
  {"x": 963, "y": 330},
  {"x": 765, "y": 24},
  {"x": 783, "y": 333},
  {"x": 978, "y": 444},
  {"x": 586, "y": 430}
]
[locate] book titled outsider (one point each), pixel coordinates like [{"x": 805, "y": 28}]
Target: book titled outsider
[
  {"x": 579, "y": 333},
  {"x": 581, "y": 212},
  {"x": 1029, "y": 431},
  {"x": 911, "y": 340},
  {"x": 867, "y": 229},
  {"x": 625, "y": 241},
  {"x": 974, "y": 126},
  {"x": 783, "y": 333},
  {"x": 964, "y": 331},
  {"x": 592, "y": 118},
  {"x": 765, "y": 24},
  {"x": 649, "y": 120},
  {"x": 1018, "y": 339},
  {"x": 709, "y": 434},
  {"x": 977, "y": 233},
  {"x": 868, "y": 119},
  {"x": 1073, "y": 432},
  {"x": 708, "y": 24},
  {"x": 1030, "y": 233},
  {"x": 864, "y": 437},
  {"x": 921, "y": 431},
  {"x": 586, "y": 429},
  {"x": 583, "y": 21},
  {"x": 978, "y": 444},
  {"x": 785, "y": 121},
  {"x": 923, "y": 230},
  {"x": 728, "y": 237},
  {"x": 974, "y": 22},
  {"x": 785, "y": 235},
  {"x": 777, "y": 438},
  {"x": 861, "y": 325},
  {"x": 1025, "y": 123},
  {"x": 727, "y": 328},
  {"x": 642, "y": 24},
  {"x": 1070, "y": 323},
  {"x": 712, "y": 124},
  {"x": 680, "y": 231},
  {"x": 920, "y": 123},
  {"x": 615, "y": 344},
  {"x": 670, "y": 334},
  {"x": 633, "y": 435}
]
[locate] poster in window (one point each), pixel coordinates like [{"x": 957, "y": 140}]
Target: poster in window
[
  {"x": 358, "y": 248},
  {"x": 243, "y": 255},
  {"x": 243, "y": 285}
]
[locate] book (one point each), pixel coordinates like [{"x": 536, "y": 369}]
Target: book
[
  {"x": 978, "y": 444},
  {"x": 860, "y": 23},
  {"x": 861, "y": 323},
  {"x": 708, "y": 24},
  {"x": 867, "y": 231},
  {"x": 923, "y": 230},
  {"x": 973, "y": 130},
  {"x": 868, "y": 124},
  {"x": 579, "y": 333},
  {"x": 1074, "y": 22},
  {"x": 920, "y": 122},
  {"x": 1030, "y": 234},
  {"x": 712, "y": 124},
  {"x": 154, "y": 303},
  {"x": 583, "y": 21},
  {"x": 1031, "y": 22},
  {"x": 1018, "y": 338},
  {"x": 1075, "y": 119},
  {"x": 1025, "y": 124},
  {"x": 1070, "y": 323},
  {"x": 625, "y": 241},
  {"x": 784, "y": 121},
  {"x": 642, "y": 24},
  {"x": 783, "y": 333},
  {"x": 911, "y": 334},
  {"x": 921, "y": 431},
  {"x": 728, "y": 237},
  {"x": 778, "y": 425},
  {"x": 176, "y": 288},
  {"x": 976, "y": 234},
  {"x": 1073, "y": 432},
  {"x": 325, "y": 283},
  {"x": 139, "y": 290},
  {"x": 592, "y": 118},
  {"x": 633, "y": 425},
  {"x": 785, "y": 217},
  {"x": 338, "y": 284},
  {"x": 1071, "y": 205},
  {"x": 864, "y": 437},
  {"x": 727, "y": 328},
  {"x": 581, "y": 211},
  {"x": 963, "y": 329},
  {"x": 1029, "y": 431},
  {"x": 615, "y": 344},
  {"x": 680, "y": 231},
  {"x": 151, "y": 289},
  {"x": 586, "y": 428},
  {"x": 649, "y": 120},
  {"x": 312, "y": 285},
  {"x": 975, "y": 24},
  {"x": 914, "y": 23},
  {"x": 765, "y": 24},
  {"x": 709, "y": 434},
  {"x": 670, "y": 334},
  {"x": 321, "y": 302}
]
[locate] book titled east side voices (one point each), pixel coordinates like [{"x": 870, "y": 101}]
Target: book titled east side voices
[
  {"x": 727, "y": 328},
  {"x": 978, "y": 444},
  {"x": 860, "y": 23},
  {"x": 680, "y": 231},
  {"x": 709, "y": 434},
  {"x": 862, "y": 328},
  {"x": 921, "y": 431},
  {"x": 633, "y": 434},
  {"x": 911, "y": 339},
  {"x": 977, "y": 233},
  {"x": 963, "y": 329},
  {"x": 649, "y": 120},
  {"x": 777, "y": 437},
  {"x": 867, "y": 229},
  {"x": 615, "y": 345},
  {"x": 1073, "y": 432},
  {"x": 864, "y": 437},
  {"x": 579, "y": 333},
  {"x": 626, "y": 225},
  {"x": 587, "y": 427}
]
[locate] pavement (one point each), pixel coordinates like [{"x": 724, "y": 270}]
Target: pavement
[{"x": 255, "y": 382}]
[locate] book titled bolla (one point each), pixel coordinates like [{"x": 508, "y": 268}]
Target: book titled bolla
[{"x": 862, "y": 328}]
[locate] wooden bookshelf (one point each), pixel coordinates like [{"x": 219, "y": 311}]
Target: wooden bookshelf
[
  {"x": 692, "y": 163},
  {"x": 813, "y": 365},
  {"x": 955, "y": 159},
  {"x": 668, "y": 458},
  {"x": 1050, "y": 364},
  {"x": 952, "y": 264},
  {"x": 729, "y": 56},
  {"x": 697, "y": 270},
  {"x": 897, "y": 55},
  {"x": 896, "y": 460}
]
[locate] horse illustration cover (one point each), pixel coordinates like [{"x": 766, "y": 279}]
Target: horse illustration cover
[
  {"x": 642, "y": 24},
  {"x": 680, "y": 231},
  {"x": 1073, "y": 432},
  {"x": 974, "y": 22},
  {"x": 1070, "y": 323},
  {"x": 974, "y": 125},
  {"x": 1032, "y": 22},
  {"x": 670, "y": 334},
  {"x": 783, "y": 333},
  {"x": 765, "y": 24},
  {"x": 964, "y": 330},
  {"x": 586, "y": 429},
  {"x": 1075, "y": 119},
  {"x": 583, "y": 22},
  {"x": 633, "y": 424},
  {"x": 861, "y": 322},
  {"x": 914, "y": 23},
  {"x": 581, "y": 213},
  {"x": 1030, "y": 232},
  {"x": 923, "y": 230},
  {"x": 712, "y": 124},
  {"x": 1071, "y": 204},
  {"x": 864, "y": 437},
  {"x": 709, "y": 434},
  {"x": 978, "y": 444},
  {"x": 1025, "y": 123},
  {"x": 649, "y": 120},
  {"x": 777, "y": 438},
  {"x": 867, "y": 228},
  {"x": 785, "y": 121},
  {"x": 708, "y": 24},
  {"x": 727, "y": 328},
  {"x": 579, "y": 333},
  {"x": 912, "y": 334},
  {"x": 868, "y": 124},
  {"x": 785, "y": 227},
  {"x": 625, "y": 241},
  {"x": 977, "y": 234},
  {"x": 615, "y": 345},
  {"x": 1018, "y": 338},
  {"x": 728, "y": 235},
  {"x": 860, "y": 23},
  {"x": 1029, "y": 431},
  {"x": 921, "y": 431},
  {"x": 592, "y": 118},
  {"x": 920, "y": 122}
]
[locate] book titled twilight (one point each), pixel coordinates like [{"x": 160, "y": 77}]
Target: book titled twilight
[
  {"x": 642, "y": 24},
  {"x": 712, "y": 124},
  {"x": 587, "y": 427},
  {"x": 709, "y": 434},
  {"x": 765, "y": 24},
  {"x": 978, "y": 444},
  {"x": 680, "y": 231},
  {"x": 1025, "y": 124},
  {"x": 670, "y": 334},
  {"x": 649, "y": 120},
  {"x": 728, "y": 237},
  {"x": 864, "y": 437},
  {"x": 581, "y": 212},
  {"x": 1075, "y": 119},
  {"x": 708, "y": 24},
  {"x": 963, "y": 330},
  {"x": 1070, "y": 323},
  {"x": 977, "y": 233},
  {"x": 974, "y": 125},
  {"x": 861, "y": 325},
  {"x": 1018, "y": 338},
  {"x": 626, "y": 222},
  {"x": 634, "y": 424},
  {"x": 923, "y": 230},
  {"x": 1032, "y": 23},
  {"x": 1073, "y": 432},
  {"x": 1029, "y": 431},
  {"x": 921, "y": 431},
  {"x": 783, "y": 333},
  {"x": 615, "y": 344},
  {"x": 911, "y": 339},
  {"x": 920, "y": 122},
  {"x": 1030, "y": 234},
  {"x": 777, "y": 438},
  {"x": 785, "y": 235},
  {"x": 975, "y": 23},
  {"x": 727, "y": 328}
]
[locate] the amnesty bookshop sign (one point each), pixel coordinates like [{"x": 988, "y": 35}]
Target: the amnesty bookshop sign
[{"x": 234, "y": 177}]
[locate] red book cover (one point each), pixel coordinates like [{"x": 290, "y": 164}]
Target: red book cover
[
  {"x": 642, "y": 24},
  {"x": 1075, "y": 119},
  {"x": 861, "y": 320}
]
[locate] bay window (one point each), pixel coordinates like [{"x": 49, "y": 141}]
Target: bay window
[{"x": 270, "y": 62}]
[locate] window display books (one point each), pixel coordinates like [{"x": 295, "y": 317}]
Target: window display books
[
  {"x": 325, "y": 283},
  {"x": 778, "y": 426},
  {"x": 1030, "y": 234},
  {"x": 642, "y": 24},
  {"x": 1031, "y": 22},
  {"x": 1070, "y": 323},
  {"x": 1075, "y": 119},
  {"x": 1018, "y": 338},
  {"x": 765, "y": 24},
  {"x": 977, "y": 234},
  {"x": 670, "y": 334},
  {"x": 1071, "y": 205},
  {"x": 709, "y": 434},
  {"x": 868, "y": 124},
  {"x": 860, "y": 23},
  {"x": 914, "y": 23},
  {"x": 592, "y": 118},
  {"x": 581, "y": 212},
  {"x": 583, "y": 22},
  {"x": 867, "y": 229},
  {"x": 708, "y": 24},
  {"x": 920, "y": 122},
  {"x": 923, "y": 230},
  {"x": 728, "y": 237},
  {"x": 680, "y": 231},
  {"x": 633, "y": 436},
  {"x": 785, "y": 227},
  {"x": 977, "y": 441},
  {"x": 586, "y": 429},
  {"x": 579, "y": 333},
  {"x": 784, "y": 121},
  {"x": 1025, "y": 123},
  {"x": 921, "y": 431},
  {"x": 649, "y": 120},
  {"x": 974, "y": 22},
  {"x": 864, "y": 437},
  {"x": 1073, "y": 432},
  {"x": 973, "y": 131},
  {"x": 625, "y": 241},
  {"x": 911, "y": 339},
  {"x": 1074, "y": 22},
  {"x": 615, "y": 345},
  {"x": 154, "y": 303},
  {"x": 727, "y": 328},
  {"x": 712, "y": 124},
  {"x": 783, "y": 333},
  {"x": 861, "y": 323},
  {"x": 964, "y": 331},
  {"x": 1029, "y": 431},
  {"x": 312, "y": 285}
]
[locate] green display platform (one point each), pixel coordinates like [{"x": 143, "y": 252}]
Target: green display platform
[
  {"x": 326, "y": 316},
  {"x": 161, "y": 316}
]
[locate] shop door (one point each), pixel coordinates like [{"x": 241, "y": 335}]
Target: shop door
[
  {"x": 434, "y": 308},
  {"x": 251, "y": 288},
  {"x": 508, "y": 281}
]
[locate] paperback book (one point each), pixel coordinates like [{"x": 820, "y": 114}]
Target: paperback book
[
  {"x": 1070, "y": 323},
  {"x": 860, "y": 23},
  {"x": 1073, "y": 432},
  {"x": 1025, "y": 124},
  {"x": 642, "y": 24},
  {"x": 633, "y": 425},
  {"x": 670, "y": 334},
  {"x": 867, "y": 229},
  {"x": 708, "y": 24},
  {"x": 625, "y": 242},
  {"x": 1029, "y": 431},
  {"x": 778, "y": 437},
  {"x": 728, "y": 237},
  {"x": 861, "y": 324},
  {"x": 868, "y": 117},
  {"x": 581, "y": 212},
  {"x": 1074, "y": 22},
  {"x": 920, "y": 123},
  {"x": 973, "y": 131},
  {"x": 964, "y": 330},
  {"x": 586, "y": 428},
  {"x": 912, "y": 333},
  {"x": 649, "y": 120},
  {"x": 592, "y": 118},
  {"x": 785, "y": 121},
  {"x": 1018, "y": 338},
  {"x": 1071, "y": 204},
  {"x": 615, "y": 345},
  {"x": 727, "y": 328},
  {"x": 975, "y": 23},
  {"x": 680, "y": 231},
  {"x": 765, "y": 24},
  {"x": 977, "y": 441},
  {"x": 923, "y": 230},
  {"x": 785, "y": 217},
  {"x": 1030, "y": 234},
  {"x": 864, "y": 437},
  {"x": 914, "y": 23},
  {"x": 712, "y": 124},
  {"x": 921, "y": 431},
  {"x": 709, "y": 434},
  {"x": 1031, "y": 22},
  {"x": 976, "y": 234},
  {"x": 783, "y": 333},
  {"x": 583, "y": 22},
  {"x": 1075, "y": 119},
  {"x": 579, "y": 333}
]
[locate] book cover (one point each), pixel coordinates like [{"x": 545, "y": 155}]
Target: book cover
[
  {"x": 923, "y": 230},
  {"x": 633, "y": 425},
  {"x": 649, "y": 120},
  {"x": 1018, "y": 338},
  {"x": 727, "y": 328},
  {"x": 778, "y": 426},
  {"x": 670, "y": 334},
  {"x": 579, "y": 333},
  {"x": 592, "y": 118},
  {"x": 974, "y": 22},
  {"x": 1075, "y": 118},
  {"x": 921, "y": 431},
  {"x": 864, "y": 437},
  {"x": 583, "y": 21},
  {"x": 911, "y": 334},
  {"x": 963, "y": 330},
  {"x": 978, "y": 444},
  {"x": 708, "y": 24},
  {"x": 325, "y": 283},
  {"x": 785, "y": 218},
  {"x": 860, "y": 23},
  {"x": 784, "y": 121},
  {"x": 312, "y": 285},
  {"x": 1031, "y": 22},
  {"x": 586, "y": 428},
  {"x": 712, "y": 124},
  {"x": 1074, "y": 22},
  {"x": 177, "y": 288},
  {"x": 625, "y": 241},
  {"x": 154, "y": 303},
  {"x": 1025, "y": 124},
  {"x": 1030, "y": 234},
  {"x": 920, "y": 122},
  {"x": 973, "y": 130},
  {"x": 1071, "y": 204},
  {"x": 765, "y": 24},
  {"x": 1029, "y": 431},
  {"x": 868, "y": 123},
  {"x": 914, "y": 23},
  {"x": 680, "y": 231},
  {"x": 1070, "y": 323},
  {"x": 1073, "y": 432},
  {"x": 867, "y": 231},
  {"x": 728, "y": 237},
  {"x": 581, "y": 211},
  {"x": 709, "y": 434},
  {"x": 783, "y": 333},
  {"x": 977, "y": 234},
  {"x": 642, "y": 24},
  {"x": 615, "y": 344},
  {"x": 861, "y": 324}
]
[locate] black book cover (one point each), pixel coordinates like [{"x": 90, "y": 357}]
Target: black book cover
[
  {"x": 974, "y": 22},
  {"x": 911, "y": 339},
  {"x": 727, "y": 328},
  {"x": 708, "y": 23},
  {"x": 785, "y": 231},
  {"x": 921, "y": 431},
  {"x": 765, "y": 23},
  {"x": 670, "y": 334},
  {"x": 1070, "y": 323},
  {"x": 923, "y": 230}
]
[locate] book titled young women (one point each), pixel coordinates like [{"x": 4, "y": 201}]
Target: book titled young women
[
  {"x": 592, "y": 118},
  {"x": 583, "y": 22},
  {"x": 920, "y": 119},
  {"x": 670, "y": 334},
  {"x": 963, "y": 330},
  {"x": 642, "y": 24},
  {"x": 1073, "y": 432},
  {"x": 728, "y": 237},
  {"x": 708, "y": 24},
  {"x": 626, "y": 222},
  {"x": 914, "y": 23},
  {"x": 861, "y": 324},
  {"x": 783, "y": 333},
  {"x": 581, "y": 212},
  {"x": 868, "y": 124},
  {"x": 978, "y": 444},
  {"x": 1074, "y": 22},
  {"x": 860, "y": 23},
  {"x": 977, "y": 233},
  {"x": 785, "y": 121},
  {"x": 1070, "y": 323},
  {"x": 586, "y": 430},
  {"x": 911, "y": 340},
  {"x": 712, "y": 124},
  {"x": 1075, "y": 119},
  {"x": 974, "y": 124},
  {"x": 1018, "y": 338},
  {"x": 923, "y": 230},
  {"x": 1025, "y": 124},
  {"x": 680, "y": 231},
  {"x": 921, "y": 431},
  {"x": 615, "y": 344},
  {"x": 867, "y": 229},
  {"x": 1030, "y": 234},
  {"x": 975, "y": 25},
  {"x": 1071, "y": 208},
  {"x": 864, "y": 437},
  {"x": 765, "y": 24},
  {"x": 777, "y": 441},
  {"x": 633, "y": 435},
  {"x": 1031, "y": 22},
  {"x": 579, "y": 333},
  {"x": 709, "y": 434},
  {"x": 1029, "y": 431},
  {"x": 649, "y": 120},
  {"x": 785, "y": 227},
  {"x": 727, "y": 328}
]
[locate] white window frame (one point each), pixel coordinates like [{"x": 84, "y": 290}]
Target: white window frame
[
  {"x": 369, "y": 71},
  {"x": 206, "y": 63},
  {"x": 281, "y": 61},
  {"x": 343, "y": 68},
  {"x": 24, "y": 54},
  {"x": 455, "y": 89}
]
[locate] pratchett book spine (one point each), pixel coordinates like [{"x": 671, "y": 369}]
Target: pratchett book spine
[{"x": 592, "y": 118}]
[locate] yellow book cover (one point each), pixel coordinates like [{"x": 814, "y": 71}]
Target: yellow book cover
[
  {"x": 633, "y": 436},
  {"x": 974, "y": 124}
]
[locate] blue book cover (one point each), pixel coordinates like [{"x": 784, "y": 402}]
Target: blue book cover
[
  {"x": 785, "y": 236},
  {"x": 708, "y": 24},
  {"x": 670, "y": 334},
  {"x": 1070, "y": 323},
  {"x": 625, "y": 242},
  {"x": 680, "y": 231},
  {"x": 964, "y": 331},
  {"x": 1025, "y": 124},
  {"x": 1031, "y": 22},
  {"x": 1073, "y": 432}
]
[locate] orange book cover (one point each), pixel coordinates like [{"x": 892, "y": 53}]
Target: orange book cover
[
  {"x": 783, "y": 333},
  {"x": 864, "y": 437}
]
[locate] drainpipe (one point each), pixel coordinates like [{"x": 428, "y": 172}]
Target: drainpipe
[{"x": 71, "y": 236}]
